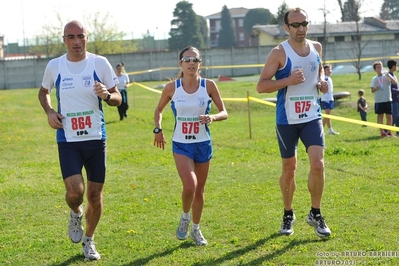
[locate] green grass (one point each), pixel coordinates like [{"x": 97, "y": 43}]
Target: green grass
[{"x": 243, "y": 207}]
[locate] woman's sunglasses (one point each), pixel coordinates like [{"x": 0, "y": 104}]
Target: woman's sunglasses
[
  {"x": 188, "y": 59},
  {"x": 298, "y": 24}
]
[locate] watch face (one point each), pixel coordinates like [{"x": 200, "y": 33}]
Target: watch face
[{"x": 157, "y": 130}]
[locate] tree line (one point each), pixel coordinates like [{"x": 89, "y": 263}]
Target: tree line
[{"x": 187, "y": 28}]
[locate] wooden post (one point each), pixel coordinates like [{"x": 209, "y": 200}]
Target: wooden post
[{"x": 249, "y": 116}]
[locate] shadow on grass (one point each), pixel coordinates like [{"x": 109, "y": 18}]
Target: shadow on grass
[
  {"x": 143, "y": 261},
  {"x": 70, "y": 261},
  {"x": 239, "y": 252}
]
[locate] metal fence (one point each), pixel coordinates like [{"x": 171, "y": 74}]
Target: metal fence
[{"x": 231, "y": 62}]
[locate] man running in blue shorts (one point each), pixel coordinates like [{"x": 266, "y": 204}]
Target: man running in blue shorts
[
  {"x": 296, "y": 66},
  {"x": 83, "y": 82}
]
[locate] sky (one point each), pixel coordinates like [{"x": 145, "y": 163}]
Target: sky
[{"x": 24, "y": 19}]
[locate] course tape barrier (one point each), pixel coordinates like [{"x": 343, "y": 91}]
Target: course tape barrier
[
  {"x": 334, "y": 117},
  {"x": 260, "y": 65}
]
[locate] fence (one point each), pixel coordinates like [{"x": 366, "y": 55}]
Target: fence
[{"x": 233, "y": 62}]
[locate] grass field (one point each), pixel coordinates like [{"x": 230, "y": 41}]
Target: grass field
[{"x": 243, "y": 208}]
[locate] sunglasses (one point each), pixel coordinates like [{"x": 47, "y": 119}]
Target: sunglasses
[
  {"x": 298, "y": 24},
  {"x": 188, "y": 59}
]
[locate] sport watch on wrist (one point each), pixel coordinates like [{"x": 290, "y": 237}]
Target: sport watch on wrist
[
  {"x": 157, "y": 130},
  {"x": 108, "y": 97}
]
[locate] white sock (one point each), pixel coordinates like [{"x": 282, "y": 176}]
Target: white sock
[
  {"x": 186, "y": 215},
  {"x": 195, "y": 227}
]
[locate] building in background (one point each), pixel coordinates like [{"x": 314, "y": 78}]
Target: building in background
[
  {"x": 237, "y": 15},
  {"x": 370, "y": 29},
  {"x": 1, "y": 47}
]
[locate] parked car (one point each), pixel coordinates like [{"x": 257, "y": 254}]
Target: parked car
[
  {"x": 368, "y": 68},
  {"x": 344, "y": 69}
]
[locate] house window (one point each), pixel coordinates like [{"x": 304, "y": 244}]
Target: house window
[
  {"x": 339, "y": 38},
  {"x": 241, "y": 36},
  {"x": 240, "y": 22},
  {"x": 356, "y": 37},
  {"x": 218, "y": 25},
  {"x": 396, "y": 36}
]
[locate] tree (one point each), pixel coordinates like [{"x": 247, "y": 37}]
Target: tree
[
  {"x": 350, "y": 10},
  {"x": 104, "y": 38},
  {"x": 49, "y": 42},
  {"x": 257, "y": 16},
  {"x": 227, "y": 36},
  {"x": 186, "y": 28},
  {"x": 389, "y": 9},
  {"x": 204, "y": 30},
  {"x": 282, "y": 9}
]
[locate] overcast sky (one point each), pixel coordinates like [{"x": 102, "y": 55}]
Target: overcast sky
[{"x": 25, "y": 18}]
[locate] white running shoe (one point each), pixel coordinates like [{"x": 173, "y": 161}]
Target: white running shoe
[
  {"x": 182, "y": 230},
  {"x": 198, "y": 238},
  {"x": 287, "y": 225},
  {"x": 89, "y": 249},
  {"x": 75, "y": 228},
  {"x": 320, "y": 227}
]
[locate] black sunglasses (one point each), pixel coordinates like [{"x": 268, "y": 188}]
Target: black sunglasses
[
  {"x": 188, "y": 59},
  {"x": 298, "y": 24}
]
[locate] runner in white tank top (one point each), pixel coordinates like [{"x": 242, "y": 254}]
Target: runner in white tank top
[
  {"x": 190, "y": 97},
  {"x": 298, "y": 75}
]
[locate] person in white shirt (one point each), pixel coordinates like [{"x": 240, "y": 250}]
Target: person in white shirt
[
  {"x": 327, "y": 99},
  {"x": 124, "y": 81},
  {"x": 83, "y": 82}
]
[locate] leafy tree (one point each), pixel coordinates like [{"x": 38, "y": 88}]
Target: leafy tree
[
  {"x": 280, "y": 13},
  {"x": 389, "y": 9},
  {"x": 49, "y": 42},
  {"x": 104, "y": 38},
  {"x": 103, "y": 35},
  {"x": 186, "y": 28},
  {"x": 227, "y": 36},
  {"x": 257, "y": 16},
  {"x": 204, "y": 31}
]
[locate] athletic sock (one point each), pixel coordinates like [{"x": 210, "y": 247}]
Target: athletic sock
[
  {"x": 186, "y": 215},
  {"x": 290, "y": 212},
  {"x": 315, "y": 211},
  {"x": 195, "y": 227}
]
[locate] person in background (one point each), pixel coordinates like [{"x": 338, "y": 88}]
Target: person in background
[
  {"x": 327, "y": 99},
  {"x": 191, "y": 97},
  {"x": 123, "y": 68},
  {"x": 381, "y": 88},
  {"x": 391, "y": 64},
  {"x": 362, "y": 106},
  {"x": 83, "y": 83},
  {"x": 122, "y": 86},
  {"x": 299, "y": 76}
]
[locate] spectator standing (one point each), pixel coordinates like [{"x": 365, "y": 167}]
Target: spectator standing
[
  {"x": 124, "y": 81},
  {"x": 362, "y": 106},
  {"x": 391, "y": 64},
  {"x": 381, "y": 88},
  {"x": 327, "y": 100}
]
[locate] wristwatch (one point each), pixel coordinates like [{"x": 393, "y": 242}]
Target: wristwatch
[
  {"x": 157, "y": 130},
  {"x": 108, "y": 97}
]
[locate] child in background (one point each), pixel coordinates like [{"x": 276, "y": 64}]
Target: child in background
[{"x": 362, "y": 106}]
